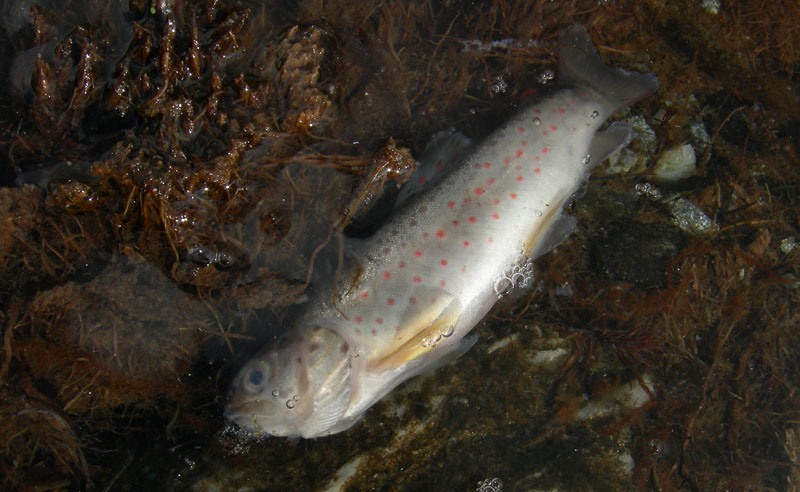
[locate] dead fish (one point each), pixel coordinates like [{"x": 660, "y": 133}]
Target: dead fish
[{"x": 431, "y": 273}]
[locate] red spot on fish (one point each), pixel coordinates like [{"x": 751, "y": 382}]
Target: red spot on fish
[
  {"x": 374, "y": 331},
  {"x": 424, "y": 235},
  {"x": 472, "y": 220},
  {"x": 573, "y": 101},
  {"x": 378, "y": 320},
  {"x": 561, "y": 110},
  {"x": 466, "y": 243},
  {"x": 519, "y": 153},
  {"x": 387, "y": 274},
  {"x": 479, "y": 191},
  {"x": 467, "y": 200},
  {"x": 528, "y": 93},
  {"x": 422, "y": 180},
  {"x": 451, "y": 204},
  {"x": 537, "y": 170},
  {"x": 402, "y": 264},
  {"x": 487, "y": 165},
  {"x": 416, "y": 279},
  {"x": 518, "y": 168},
  {"x": 463, "y": 270},
  {"x": 418, "y": 253},
  {"x": 537, "y": 111},
  {"x": 545, "y": 150},
  {"x": 495, "y": 216},
  {"x": 545, "y": 133},
  {"x": 490, "y": 181},
  {"x": 440, "y": 233},
  {"x": 455, "y": 222},
  {"x": 489, "y": 240},
  {"x": 442, "y": 283},
  {"x": 443, "y": 262},
  {"x": 496, "y": 202},
  {"x": 412, "y": 300},
  {"x": 513, "y": 196},
  {"x": 506, "y": 160},
  {"x": 390, "y": 301},
  {"x": 523, "y": 143},
  {"x": 357, "y": 319},
  {"x": 538, "y": 159},
  {"x": 521, "y": 130},
  {"x": 554, "y": 128},
  {"x": 364, "y": 295},
  {"x": 519, "y": 179}
]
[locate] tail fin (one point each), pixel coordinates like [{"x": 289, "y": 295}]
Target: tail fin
[{"x": 580, "y": 65}]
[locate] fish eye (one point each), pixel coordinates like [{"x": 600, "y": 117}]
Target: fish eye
[{"x": 255, "y": 377}]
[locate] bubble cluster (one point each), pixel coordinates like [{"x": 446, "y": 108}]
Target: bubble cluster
[
  {"x": 546, "y": 76},
  {"x": 647, "y": 190},
  {"x": 499, "y": 86},
  {"x": 291, "y": 403},
  {"x": 518, "y": 275},
  {"x": 442, "y": 332},
  {"x": 205, "y": 255},
  {"x": 490, "y": 485}
]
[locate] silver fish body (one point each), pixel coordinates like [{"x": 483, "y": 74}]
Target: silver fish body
[{"x": 419, "y": 285}]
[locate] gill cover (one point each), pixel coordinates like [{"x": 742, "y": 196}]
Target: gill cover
[{"x": 300, "y": 387}]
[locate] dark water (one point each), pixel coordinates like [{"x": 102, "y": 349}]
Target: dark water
[{"x": 170, "y": 171}]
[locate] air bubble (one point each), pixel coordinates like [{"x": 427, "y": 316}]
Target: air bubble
[
  {"x": 276, "y": 393},
  {"x": 648, "y": 190},
  {"x": 546, "y": 76},
  {"x": 290, "y": 404},
  {"x": 587, "y": 159},
  {"x": 518, "y": 275},
  {"x": 447, "y": 331},
  {"x": 490, "y": 485},
  {"x": 201, "y": 255},
  {"x": 537, "y": 212},
  {"x": 537, "y": 121},
  {"x": 595, "y": 114},
  {"x": 499, "y": 86},
  {"x": 224, "y": 260}
]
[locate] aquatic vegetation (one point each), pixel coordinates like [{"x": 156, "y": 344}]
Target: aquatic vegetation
[{"x": 198, "y": 153}]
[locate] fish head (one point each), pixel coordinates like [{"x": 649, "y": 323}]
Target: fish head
[{"x": 298, "y": 387}]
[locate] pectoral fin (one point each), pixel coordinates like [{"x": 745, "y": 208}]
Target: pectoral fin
[{"x": 422, "y": 330}]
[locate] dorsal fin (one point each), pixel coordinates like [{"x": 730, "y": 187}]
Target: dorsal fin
[{"x": 444, "y": 152}]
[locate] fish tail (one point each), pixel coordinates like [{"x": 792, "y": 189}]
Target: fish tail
[{"x": 581, "y": 66}]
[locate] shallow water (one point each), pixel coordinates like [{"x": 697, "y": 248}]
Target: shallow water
[{"x": 171, "y": 171}]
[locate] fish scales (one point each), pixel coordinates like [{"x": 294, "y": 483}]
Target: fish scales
[{"x": 430, "y": 274}]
